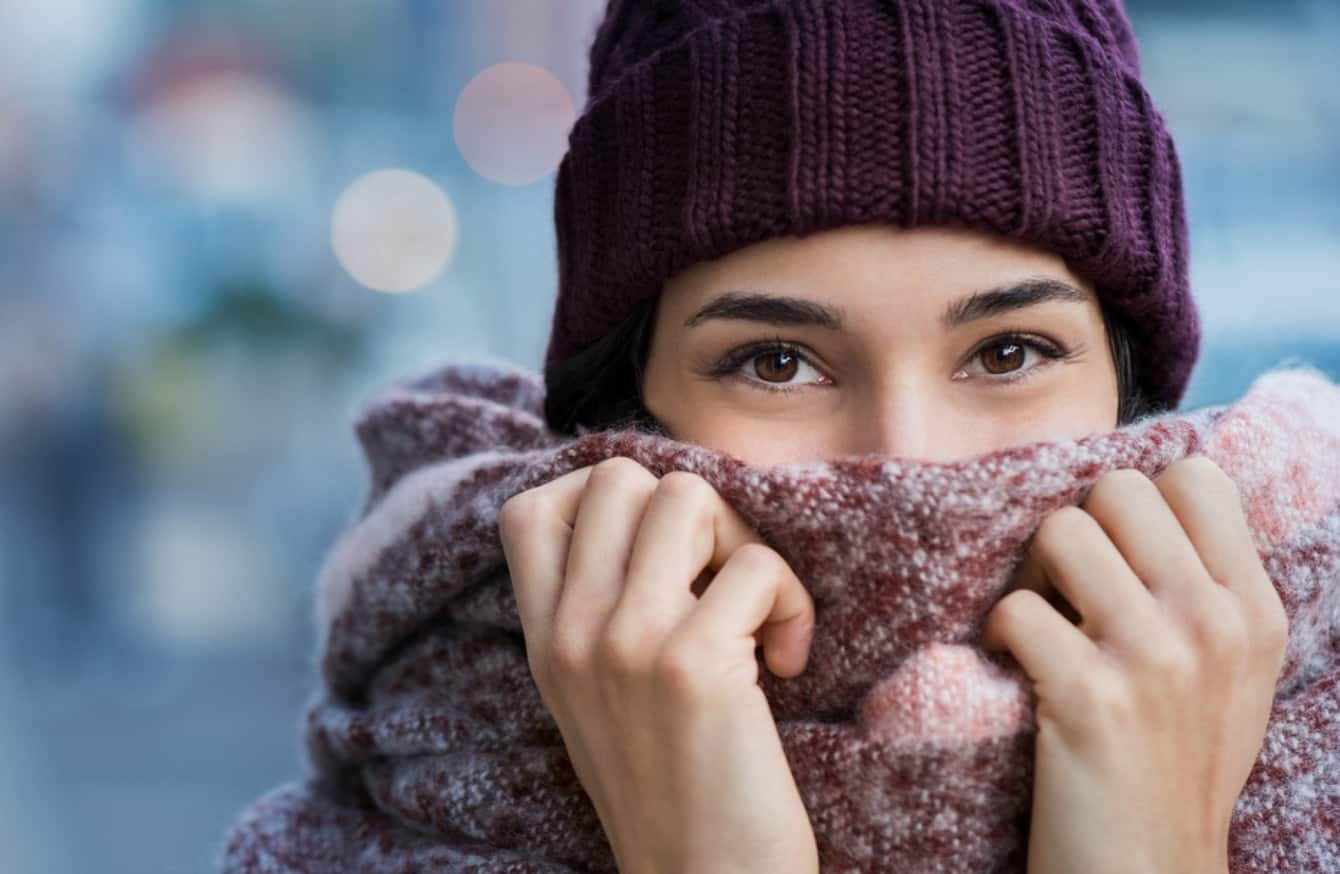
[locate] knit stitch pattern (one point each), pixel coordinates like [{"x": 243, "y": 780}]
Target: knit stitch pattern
[
  {"x": 714, "y": 124},
  {"x": 430, "y": 749}
]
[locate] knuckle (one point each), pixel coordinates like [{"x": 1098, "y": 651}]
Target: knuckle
[
  {"x": 618, "y": 470},
  {"x": 677, "y": 668},
  {"x": 1012, "y": 608},
  {"x": 569, "y": 655},
  {"x": 696, "y": 498},
  {"x": 1199, "y": 473},
  {"x": 621, "y": 649},
  {"x": 1116, "y": 703},
  {"x": 1114, "y": 486},
  {"x": 519, "y": 508},
  {"x": 1203, "y": 467},
  {"x": 1010, "y": 614},
  {"x": 1103, "y": 700},
  {"x": 1221, "y": 630},
  {"x": 685, "y": 484},
  {"x": 1175, "y": 664},
  {"x": 758, "y": 556},
  {"x": 1060, "y": 525}
]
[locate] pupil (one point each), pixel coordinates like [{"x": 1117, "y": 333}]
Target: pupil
[
  {"x": 1005, "y": 354},
  {"x": 785, "y": 371}
]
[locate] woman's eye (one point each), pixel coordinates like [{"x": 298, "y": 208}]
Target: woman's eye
[
  {"x": 781, "y": 367},
  {"x": 1007, "y": 357},
  {"x": 1003, "y": 357},
  {"x": 771, "y": 368},
  {"x": 778, "y": 366}
]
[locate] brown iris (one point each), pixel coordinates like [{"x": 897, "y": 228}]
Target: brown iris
[
  {"x": 1003, "y": 356},
  {"x": 782, "y": 372}
]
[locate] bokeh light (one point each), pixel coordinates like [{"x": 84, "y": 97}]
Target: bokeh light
[
  {"x": 393, "y": 230},
  {"x": 213, "y": 117},
  {"x": 512, "y": 121}
]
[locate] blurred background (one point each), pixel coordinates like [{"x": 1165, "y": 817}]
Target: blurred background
[{"x": 222, "y": 224}]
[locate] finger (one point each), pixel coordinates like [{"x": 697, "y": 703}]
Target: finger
[
  {"x": 754, "y": 589},
  {"x": 688, "y": 528},
  {"x": 1029, "y": 574},
  {"x": 535, "y": 528},
  {"x": 1208, "y": 506},
  {"x": 1079, "y": 559},
  {"x": 1040, "y": 639},
  {"x": 1137, "y": 518},
  {"x": 609, "y": 511}
]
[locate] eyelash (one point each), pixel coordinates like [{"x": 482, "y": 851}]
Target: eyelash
[{"x": 731, "y": 364}]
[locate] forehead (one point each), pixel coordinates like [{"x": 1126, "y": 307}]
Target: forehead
[{"x": 865, "y": 268}]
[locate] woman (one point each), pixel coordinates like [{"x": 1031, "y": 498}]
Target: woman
[{"x": 794, "y": 230}]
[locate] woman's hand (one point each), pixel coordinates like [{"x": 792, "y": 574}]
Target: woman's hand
[
  {"x": 653, "y": 687},
  {"x": 1152, "y": 711}
]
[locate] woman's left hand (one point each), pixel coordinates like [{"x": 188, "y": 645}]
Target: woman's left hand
[{"x": 1152, "y": 711}]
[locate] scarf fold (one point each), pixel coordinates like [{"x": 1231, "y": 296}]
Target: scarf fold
[{"x": 430, "y": 748}]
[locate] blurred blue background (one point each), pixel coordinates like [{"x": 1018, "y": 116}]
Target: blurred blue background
[{"x": 211, "y": 215}]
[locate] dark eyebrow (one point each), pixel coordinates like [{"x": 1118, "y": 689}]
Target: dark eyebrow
[
  {"x": 1007, "y": 298},
  {"x": 759, "y": 306}
]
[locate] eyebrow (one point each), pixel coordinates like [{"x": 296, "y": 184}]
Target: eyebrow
[
  {"x": 758, "y": 306},
  {"x": 1009, "y": 298}
]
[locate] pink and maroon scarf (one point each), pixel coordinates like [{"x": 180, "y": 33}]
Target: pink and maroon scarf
[{"x": 430, "y": 749}]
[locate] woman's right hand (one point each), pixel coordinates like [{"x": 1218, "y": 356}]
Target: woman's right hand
[{"x": 654, "y": 687}]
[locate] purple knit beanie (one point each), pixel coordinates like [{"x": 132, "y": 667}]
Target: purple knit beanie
[{"x": 713, "y": 124}]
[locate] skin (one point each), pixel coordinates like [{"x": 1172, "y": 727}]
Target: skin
[
  {"x": 1150, "y": 630},
  {"x": 895, "y": 379}
]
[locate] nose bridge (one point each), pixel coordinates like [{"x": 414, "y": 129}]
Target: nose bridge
[{"x": 904, "y": 421}]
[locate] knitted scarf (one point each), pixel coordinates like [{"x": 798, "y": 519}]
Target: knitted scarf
[{"x": 430, "y": 748}]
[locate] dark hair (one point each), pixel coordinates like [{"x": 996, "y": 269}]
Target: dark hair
[{"x": 601, "y": 388}]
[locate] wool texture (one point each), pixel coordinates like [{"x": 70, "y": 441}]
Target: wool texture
[
  {"x": 712, "y": 125},
  {"x": 429, "y": 747}
]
